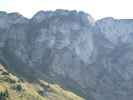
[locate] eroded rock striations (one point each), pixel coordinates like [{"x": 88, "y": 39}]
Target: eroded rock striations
[{"x": 93, "y": 58}]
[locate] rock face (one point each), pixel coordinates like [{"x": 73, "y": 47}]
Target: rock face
[{"x": 94, "y": 58}]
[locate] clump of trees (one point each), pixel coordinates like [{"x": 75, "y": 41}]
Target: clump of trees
[
  {"x": 19, "y": 87},
  {"x": 3, "y": 92}
]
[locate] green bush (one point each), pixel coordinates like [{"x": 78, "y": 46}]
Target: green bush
[
  {"x": 3, "y": 94},
  {"x": 19, "y": 87}
]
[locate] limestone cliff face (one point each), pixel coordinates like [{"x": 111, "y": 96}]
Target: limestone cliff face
[{"x": 70, "y": 47}]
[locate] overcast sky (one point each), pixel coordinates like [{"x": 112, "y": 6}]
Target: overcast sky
[{"x": 97, "y": 8}]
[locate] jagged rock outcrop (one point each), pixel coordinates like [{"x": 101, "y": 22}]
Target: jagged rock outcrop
[{"x": 92, "y": 58}]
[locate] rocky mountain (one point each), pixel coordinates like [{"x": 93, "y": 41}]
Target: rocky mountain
[{"x": 91, "y": 58}]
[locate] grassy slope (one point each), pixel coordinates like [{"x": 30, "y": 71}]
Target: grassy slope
[{"x": 21, "y": 90}]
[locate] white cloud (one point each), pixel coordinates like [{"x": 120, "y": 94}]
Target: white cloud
[{"x": 97, "y": 8}]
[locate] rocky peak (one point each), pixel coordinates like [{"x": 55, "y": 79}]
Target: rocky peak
[
  {"x": 62, "y": 15},
  {"x": 8, "y": 19},
  {"x": 16, "y": 18},
  {"x": 40, "y": 16},
  {"x": 2, "y": 13},
  {"x": 116, "y": 30}
]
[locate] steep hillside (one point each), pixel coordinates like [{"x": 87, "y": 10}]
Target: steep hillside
[{"x": 13, "y": 88}]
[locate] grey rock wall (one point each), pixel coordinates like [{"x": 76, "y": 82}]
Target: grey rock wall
[{"x": 71, "y": 47}]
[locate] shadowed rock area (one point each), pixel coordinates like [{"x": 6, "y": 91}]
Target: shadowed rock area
[{"x": 92, "y": 58}]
